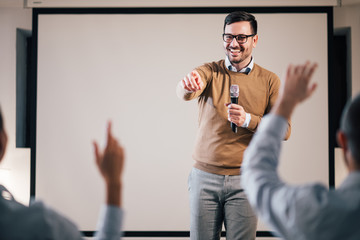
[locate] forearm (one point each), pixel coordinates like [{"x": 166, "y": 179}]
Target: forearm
[
  {"x": 114, "y": 194},
  {"x": 254, "y": 122},
  {"x": 259, "y": 169},
  {"x": 110, "y": 164},
  {"x": 278, "y": 204},
  {"x": 109, "y": 225},
  {"x": 284, "y": 108}
]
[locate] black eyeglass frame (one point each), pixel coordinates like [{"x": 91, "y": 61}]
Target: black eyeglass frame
[{"x": 237, "y": 37}]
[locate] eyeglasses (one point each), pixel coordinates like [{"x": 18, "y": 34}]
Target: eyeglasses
[{"x": 241, "y": 38}]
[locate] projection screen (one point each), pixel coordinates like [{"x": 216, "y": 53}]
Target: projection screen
[{"x": 96, "y": 67}]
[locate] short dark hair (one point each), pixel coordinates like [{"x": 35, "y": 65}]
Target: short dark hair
[
  {"x": 240, "y": 16},
  {"x": 349, "y": 124}
]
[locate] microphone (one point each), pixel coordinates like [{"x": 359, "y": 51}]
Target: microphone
[{"x": 234, "y": 95}]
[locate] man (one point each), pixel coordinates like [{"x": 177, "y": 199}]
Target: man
[
  {"x": 307, "y": 211},
  {"x": 40, "y": 222},
  {"x": 216, "y": 194}
]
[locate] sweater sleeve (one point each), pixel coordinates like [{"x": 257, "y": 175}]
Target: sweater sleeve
[{"x": 274, "y": 93}]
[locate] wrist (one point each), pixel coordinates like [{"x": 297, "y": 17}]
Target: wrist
[
  {"x": 247, "y": 120},
  {"x": 113, "y": 193},
  {"x": 113, "y": 185},
  {"x": 284, "y": 107}
]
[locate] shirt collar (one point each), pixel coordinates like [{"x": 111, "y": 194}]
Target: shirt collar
[
  {"x": 246, "y": 69},
  {"x": 351, "y": 181}
]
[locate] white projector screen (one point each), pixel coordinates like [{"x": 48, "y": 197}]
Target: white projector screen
[{"x": 93, "y": 68}]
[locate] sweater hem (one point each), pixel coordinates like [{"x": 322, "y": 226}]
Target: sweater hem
[{"x": 220, "y": 170}]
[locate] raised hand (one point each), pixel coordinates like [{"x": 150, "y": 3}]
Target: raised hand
[
  {"x": 297, "y": 85},
  {"x": 295, "y": 88},
  {"x": 110, "y": 163},
  {"x": 192, "y": 82}
]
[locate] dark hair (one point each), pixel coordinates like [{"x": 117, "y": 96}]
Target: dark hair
[
  {"x": 350, "y": 125},
  {"x": 1, "y": 122},
  {"x": 241, "y": 16}
]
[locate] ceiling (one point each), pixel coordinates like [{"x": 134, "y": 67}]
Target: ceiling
[{"x": 170, "y": 3}]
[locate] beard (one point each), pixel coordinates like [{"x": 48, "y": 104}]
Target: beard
[{"x": 236, "y": 60}]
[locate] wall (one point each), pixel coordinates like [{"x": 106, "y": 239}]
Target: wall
[
  {"x": 15, "y": 167},
  {"x": 81, "y": 65},
  {"x": 348, "y": 16}
]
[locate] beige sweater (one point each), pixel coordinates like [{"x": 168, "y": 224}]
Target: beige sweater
[{"x": 217, "y": 149}]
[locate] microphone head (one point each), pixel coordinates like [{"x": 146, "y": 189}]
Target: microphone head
[{"x": 234, "y": 90}]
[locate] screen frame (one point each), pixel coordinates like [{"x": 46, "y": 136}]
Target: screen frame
[{"x": 182, "y": 10}]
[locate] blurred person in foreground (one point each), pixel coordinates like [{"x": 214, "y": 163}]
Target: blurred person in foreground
[
  {"x": 38, "y": 221},
  {"x": 310, "y": 211}
]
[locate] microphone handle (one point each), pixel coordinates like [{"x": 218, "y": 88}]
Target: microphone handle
[{"x": 233, "y": 125}]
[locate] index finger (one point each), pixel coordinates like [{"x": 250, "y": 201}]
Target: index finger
[
  {"x": 195, "y": 73},
  {"x": 97, "y": 153},
  {"x": 311, "y": 69},
  {"x": 109, "y": 134},
  {"x": 234, "y": 106},
  {"x": 198, "y": 78}
]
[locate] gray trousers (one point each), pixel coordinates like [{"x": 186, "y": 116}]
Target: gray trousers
[{"x": 217, "y": 199}]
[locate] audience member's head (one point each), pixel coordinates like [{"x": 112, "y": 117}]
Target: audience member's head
[
  {"x": 3, "y": 137},
  {"x": 1, "y": 121},
  {"x": 349, "y": 133}
]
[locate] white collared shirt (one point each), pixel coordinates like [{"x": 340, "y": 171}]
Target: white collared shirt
[{"x": 246, "y": 70}]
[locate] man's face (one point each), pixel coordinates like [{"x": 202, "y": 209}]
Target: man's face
[{"x": 240, "y": 53}]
